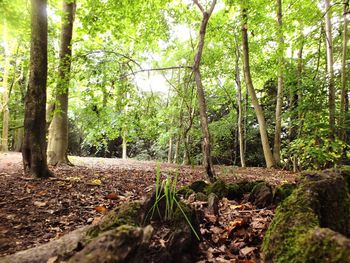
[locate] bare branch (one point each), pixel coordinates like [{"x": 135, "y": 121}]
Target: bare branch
[
  {"x": 211, "y": 9},
  {"x": 156, "y": 69},
  {"x": 199, "y": 6}
]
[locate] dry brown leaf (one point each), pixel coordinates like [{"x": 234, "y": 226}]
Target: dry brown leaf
[
  {"x": 112, "y": 196},
  {"x": 247, "y": 250},
  {"x": 40, "y": 204},
  {"x": 52, "y": 259},
  {"x": 101, "y": 209}
]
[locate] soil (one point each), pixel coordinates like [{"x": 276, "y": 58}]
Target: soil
[{"x": 34, "y": 211}]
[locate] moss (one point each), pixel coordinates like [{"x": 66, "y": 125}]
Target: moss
[
  {"x": 198, "y": 186},
  {"x": 201, "y": 197},
  {"x": 218, "y": 187},
  {"x": 282, "y": 192},
  {"x": 179, "y": 217},
  {"x": 299, "y": 216},
  {"x": 185, "y": 191},
  {"x": 126, "y": 214}
]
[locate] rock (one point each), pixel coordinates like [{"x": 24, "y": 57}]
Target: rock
[
  {"x": 113, "y": 246},
  {"x": 213, "y": 204},
  {"x": 312, "y": 223},
  {"x": 198, "y": 186},
  {"x": 282, "y": 192},
  {"x": 236, "y": 191},
  {"x": 261, "y": 195},
  {"x": 218, "y": 187}
]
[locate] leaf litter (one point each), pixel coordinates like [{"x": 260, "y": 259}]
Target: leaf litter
[{"x": 34, "y": 211}]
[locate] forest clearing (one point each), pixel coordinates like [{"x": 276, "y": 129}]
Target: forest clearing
[{"x": 174, "y": 131}]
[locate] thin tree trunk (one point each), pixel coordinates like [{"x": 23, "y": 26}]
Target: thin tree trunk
[
  {"x": 280, "y": 88},
  {"x": 58, "y": 132},
  {"x": 170, "y": 149},
  {"x": 343, "y": 89},
  {"x": 206, "y": 145},
  {"x": 240, "y": 108},
  {"x": 330, "y": 71},
  {"x": 258, "y": 110},
  {"x": 34, "y": 144},
  {"x": 125, "y": 132},
  {"x": 5, "y": 95}
]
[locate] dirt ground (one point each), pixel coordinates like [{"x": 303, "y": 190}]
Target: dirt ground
[{"x": 34, "y": 211}]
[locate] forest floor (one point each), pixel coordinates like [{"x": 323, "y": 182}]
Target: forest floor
[{"x": 34, "y": 211}]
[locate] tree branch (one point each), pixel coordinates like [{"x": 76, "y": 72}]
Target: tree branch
[
  {"x": 199, "y": 6},
  {"x": 156, "y": 69}
]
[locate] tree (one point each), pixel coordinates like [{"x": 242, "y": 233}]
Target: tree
[
  {"x": 207, "y": 161},
  {"x": 248, "y": 80},
  {"x": 240, "y": 122},
  {"x": 343, "y": 90},
  {"x": 34, "y": 144},
  {"x": 58, "y": 132},
  {"x": 330, "y": 70},
  {"x": 279, "y": 101},
  {"x": 5, "y": 97}
]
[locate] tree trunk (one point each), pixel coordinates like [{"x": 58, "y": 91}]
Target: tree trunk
[
  {"x": 206, "y": 145},
  {"x": 170, "y": 149},
  {"x": 330, "y": 71},
  {"x": 258, "y": 110},
  {"x": 280, "y": 88},
  {"x": 5, "y": 96},
  {"x": 240, "y": 108},
  {"x": 58, "y": 132},
  {"x": 34, "y": 144},
  {"x": 343, "y": 89}
]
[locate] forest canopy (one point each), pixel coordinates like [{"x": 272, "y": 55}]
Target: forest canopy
[{"x": 263, "y": 82}]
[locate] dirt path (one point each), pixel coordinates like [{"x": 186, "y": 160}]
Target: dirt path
[{"x": 34, "y": 211}]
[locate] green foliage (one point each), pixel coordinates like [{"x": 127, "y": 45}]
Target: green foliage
[{"x": 316, "y": 153}]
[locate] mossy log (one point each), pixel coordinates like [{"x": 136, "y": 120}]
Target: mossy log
[
  {"x": 313, "y": 223},
  {"x": 122, "y": 235}
]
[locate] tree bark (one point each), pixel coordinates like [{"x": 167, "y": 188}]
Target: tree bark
[
  {"x": 258, "y": 110},
  {"x": 280, "y": 87},
  {"x": 343, "y": 89},
  {"x": 330, "y": 71},
  {"x": 5, "y": 96},
  {"x": 34, "y": 144},
  {"x": 58, "y": 132},
  {"x": 206, "y": 144},
  {"x": 240, "y": 120},
  {"x": 170, "y": 149}
]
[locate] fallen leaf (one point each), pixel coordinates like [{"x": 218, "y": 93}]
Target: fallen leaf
[
  {"x": 40, "y": 204},
  {"x": 97, "y": 182},
  {"x": 52, "y": 259},
  {"x": 101, "y": 209},
  {"x": 248, "y": 261},
  {"x": 233, "y": 207},
  {"x": 112, "y": 196},
  {"x": 245, "y": 251}
]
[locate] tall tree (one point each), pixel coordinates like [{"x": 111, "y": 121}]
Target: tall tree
[
  {"x": 240, "y": 121},
  {"x": 330, "y": 70},
  {"x": 58, "y": 132},
  {"x": 34, "y": 144},
  {"x": 5, "y": 95},
  {"x": 280, "y": 86},
  {"x": 206, "y": 144},
  {"x": 251, "y": 90},
  {"x": 343, "y": 90}
]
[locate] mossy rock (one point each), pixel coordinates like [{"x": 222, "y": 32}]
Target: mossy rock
[
  {"x": 198, "y": 186},
  {"x": 236, "y": 191},
  {"x": 282, "y": 192},
  {"x": 345, "y": 172},
  {"x": 319, "y": 201},
  {"x": 218, "y": 187},
  {"x": 261, "y": 195},
  {"x": 113, "y": 246},
  {"x": 201, "y": 197},
  {"x": 185, "y": 191},
  {"x": 126, "y": 214}
]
